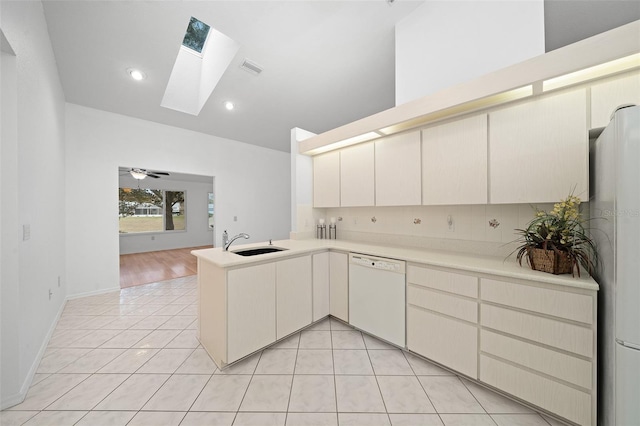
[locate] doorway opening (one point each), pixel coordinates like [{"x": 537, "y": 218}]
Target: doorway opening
[{"x": 162, "y": 217}]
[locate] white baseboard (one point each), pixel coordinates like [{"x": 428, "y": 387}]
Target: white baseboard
[{"x": 19, "y": 397}]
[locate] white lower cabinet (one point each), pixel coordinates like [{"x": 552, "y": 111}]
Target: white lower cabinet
[
  {"x": 339, "y": 285},
  {"x": 442, "y": 318},
  {"x": 538, "y": 343},
  {"x": 251, "y": 305},
  {"x": 320, "y": 285},
  {"x": 293, "y": 295}
]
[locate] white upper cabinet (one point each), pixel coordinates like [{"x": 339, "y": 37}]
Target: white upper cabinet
[
  {"x": 326, "y": 180},
  {"x": 397, "y": 160},
  {"x": 357, "y": 175},
  {"x": 539, "y": 150},
  {"x": 608, "y": 95},
  {"x": 454, "y": 162}
]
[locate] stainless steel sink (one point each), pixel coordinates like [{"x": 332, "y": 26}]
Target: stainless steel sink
[{"x": 258, "y": 250}]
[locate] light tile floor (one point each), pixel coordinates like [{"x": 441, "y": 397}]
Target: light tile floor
[{"x": 132, "y": 358}]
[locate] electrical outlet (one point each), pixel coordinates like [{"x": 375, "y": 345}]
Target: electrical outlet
[
  {"x": 355, "y": 220},
  {"x": 50, "y": 294},
  {"x": 153, "y": 238},
  {"x": 58, "y": 281},
  {"x": 26, "y": 232},
  {"x": 235, "y": 218},
  {"x": 451, "y": 224}
]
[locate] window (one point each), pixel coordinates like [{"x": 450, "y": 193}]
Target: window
[
  {"x": 196, "y": 35},
  {"x": 151, "y": 210}
]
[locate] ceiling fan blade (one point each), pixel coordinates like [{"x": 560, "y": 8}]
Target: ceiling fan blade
[
  {"x": 153, "y": 176},
  {"x": 159, "y": 173}
]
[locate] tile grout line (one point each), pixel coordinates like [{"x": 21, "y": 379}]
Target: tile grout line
[{"x": 421, "y": 385}]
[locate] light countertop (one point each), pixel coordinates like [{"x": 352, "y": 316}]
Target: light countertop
[{"x": 508, "y": 268}]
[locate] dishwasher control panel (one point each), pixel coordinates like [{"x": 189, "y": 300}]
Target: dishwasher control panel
[{"x": 380, "y": 263}]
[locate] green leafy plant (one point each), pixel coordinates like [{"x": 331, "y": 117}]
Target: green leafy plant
[{"x": 561, "y": 230}]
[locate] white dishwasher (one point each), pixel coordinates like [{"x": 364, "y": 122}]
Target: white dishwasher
[{"x": 377, "y": 296}]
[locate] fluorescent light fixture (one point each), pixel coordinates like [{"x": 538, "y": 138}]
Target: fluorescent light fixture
[
  {"x": 486, "y": 102},
  {"x": 344, "y": 143},
  {"x": 229, "y": 105},
  {"x": 136, "y": 74},
  {"x": 138, "y": 174},
  {"x": 597, "y": 71}
]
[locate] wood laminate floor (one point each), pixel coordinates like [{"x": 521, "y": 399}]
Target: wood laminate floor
[{"x": 154, "y": 266}]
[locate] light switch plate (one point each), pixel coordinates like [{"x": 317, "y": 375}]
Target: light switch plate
[{"x": 26, "y": 232}]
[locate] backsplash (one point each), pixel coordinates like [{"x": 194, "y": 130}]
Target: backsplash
[{"x": 486, "y": 229}]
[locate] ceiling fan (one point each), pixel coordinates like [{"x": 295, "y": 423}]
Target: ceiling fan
[{"x": 143, "y": 173}]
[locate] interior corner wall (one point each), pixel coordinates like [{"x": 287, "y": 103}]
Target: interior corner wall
[
  {"x": 33, "y": 176},
  {"x": 443, "y": 43},
  {"x": 301, "y": 187},
  {"x": 252, "y": 186}
]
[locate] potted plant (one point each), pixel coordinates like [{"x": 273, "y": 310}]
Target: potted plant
[{"x": 557, "y": 241}]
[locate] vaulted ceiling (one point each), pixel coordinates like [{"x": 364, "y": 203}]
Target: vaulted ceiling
[{"x": 326, "y": 63}]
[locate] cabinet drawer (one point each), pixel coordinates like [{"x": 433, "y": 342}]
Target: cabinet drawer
[
  {"x": 565, "y": 367},
  {"x": 450, "y": 342},
  {"x": 465, "y": 285},
  {"x": 558, "y": 334},
  {"x": 454, "y": 306},
  {"x": 562, "y": 304},
  {"x": 560, "y": 399}
]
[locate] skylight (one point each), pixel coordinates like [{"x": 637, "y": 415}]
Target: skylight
[{"x": 196, "y": 35}]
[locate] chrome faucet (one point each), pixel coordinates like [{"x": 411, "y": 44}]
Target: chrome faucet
[{"x": 226, "y": 242}]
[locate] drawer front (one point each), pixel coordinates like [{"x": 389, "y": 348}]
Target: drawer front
[
  {"x": 464, "y": 285},
  {"x": 572, "y": 306},
  {"x": 555, "y": 397},
  {"x": 454, "y": 306},
  {"x": 449, "y": 342},
  {"x": 558, "y": 334},
  {"x": 565, "y": 367}
]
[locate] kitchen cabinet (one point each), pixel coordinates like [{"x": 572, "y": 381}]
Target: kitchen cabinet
[
  {"x": 538, "y": 343},
  {"x": 454, "y": 162},
  {"x": 397, "y": 170},
  {"x": 539, "y": 150},
  {"x": 441, "y": 305},
  {"x": 326, "y": 180},
  {"x": 293, "y": 295},
  {"x": 609, "y": 94},
  {"x": 357, "y": 175},
  {"x": 320, "y": 285},
  {"x": 339, "y": 285},
  {"x": 251, "y": 304}
]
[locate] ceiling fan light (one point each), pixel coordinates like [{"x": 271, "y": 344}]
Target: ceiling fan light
[{"x": 138, "y": 175}]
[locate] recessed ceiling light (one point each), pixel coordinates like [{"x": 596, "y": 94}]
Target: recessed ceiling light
[
  {"x": 229, "y": 105},
  {"x": 136, "y": 74}
]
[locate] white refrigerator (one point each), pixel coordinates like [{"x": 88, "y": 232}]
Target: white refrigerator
[{"x": 615, "y": 212}]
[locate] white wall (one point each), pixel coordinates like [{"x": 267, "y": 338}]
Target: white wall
[
  {"x": 252, "y": 184},
  {"x": 302, "y": 211},
  {"x": 197, "y": 232},
  {"x": 443, "y": 43},
  {"x": 33, "y": 193}
]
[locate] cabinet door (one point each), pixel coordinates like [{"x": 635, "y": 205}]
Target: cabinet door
[
  {"x": 449, "y": 342},
  {"x": 293, "y": 295},
  {"x": 339, "y": 285},
  {"x": 357, "y": 175},
  {"x": 539, "y": 150},
  {"x": 608, "y": 95},
  {"x": 326, "y": 180},
  {"x": 320, "y": 285},
  {"x": 251, "y": 309},
  {"x": 454, "y": 162},
  {"x": 397, "y": 170}
]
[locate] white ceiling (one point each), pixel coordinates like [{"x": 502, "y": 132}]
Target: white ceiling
[{"x": 326, "y": 63}]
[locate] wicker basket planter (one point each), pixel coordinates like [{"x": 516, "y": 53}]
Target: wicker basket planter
[{"x": 554, "y": 262}]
